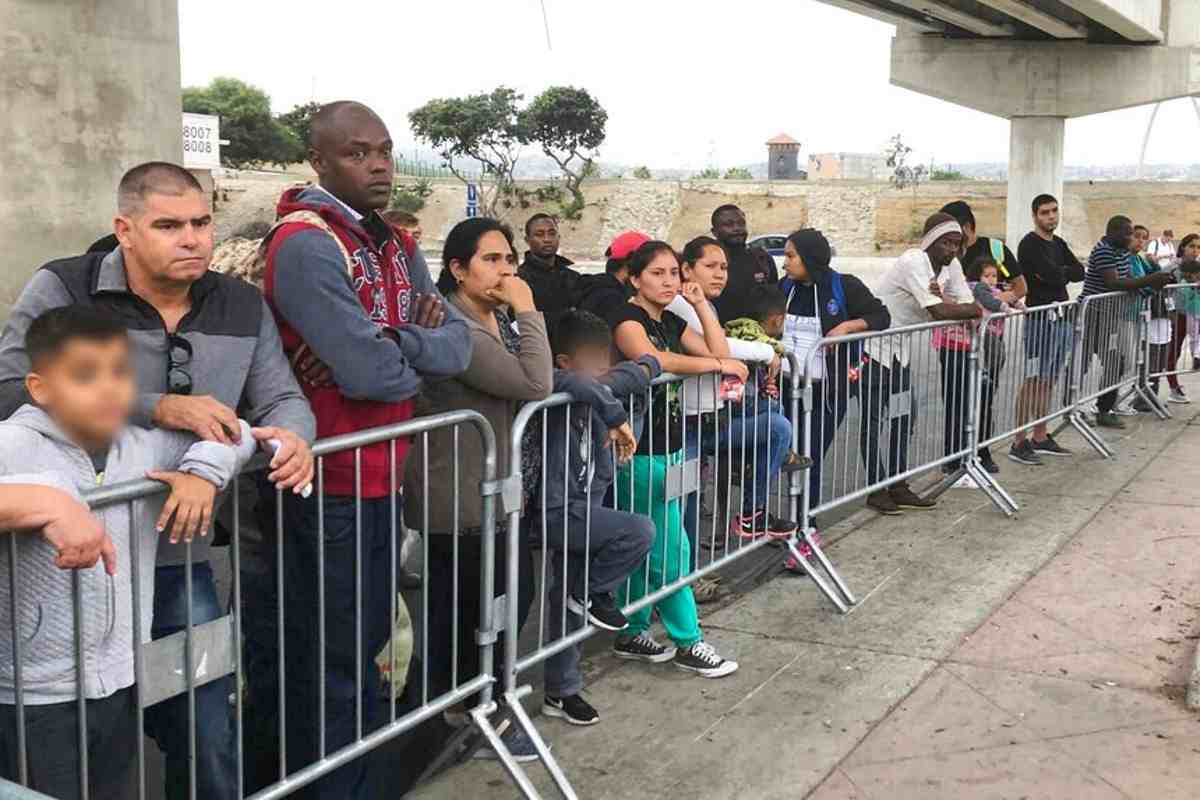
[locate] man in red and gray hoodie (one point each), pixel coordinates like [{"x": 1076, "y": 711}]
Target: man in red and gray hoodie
[{"x": 350, "y": 292}]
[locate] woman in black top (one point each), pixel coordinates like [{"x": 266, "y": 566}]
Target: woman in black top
[
  {"x": 823, "y": 302},
  {"x": 645, "y": 327}
]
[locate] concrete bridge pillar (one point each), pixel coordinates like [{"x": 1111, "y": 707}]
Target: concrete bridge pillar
[
  {"x": 1035, "y": 166},
  {"x": 87, "y": 90}
]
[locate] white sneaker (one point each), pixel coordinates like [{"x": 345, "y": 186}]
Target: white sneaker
[
  {"x": 1177, "y": 396},
  {"x": 703, "y": 659}
]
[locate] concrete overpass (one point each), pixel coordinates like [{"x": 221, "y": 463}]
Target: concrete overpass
[{"x": 1039, "y": 62}]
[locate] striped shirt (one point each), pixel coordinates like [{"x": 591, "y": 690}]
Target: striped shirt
[{"x": 1104, "y": 259}]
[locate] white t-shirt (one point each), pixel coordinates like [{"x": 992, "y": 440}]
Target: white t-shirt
[
  {"x": 904, "y": 289},
  {"x": 698, "y": 391},
  {"x": 1163, "y": 252}
]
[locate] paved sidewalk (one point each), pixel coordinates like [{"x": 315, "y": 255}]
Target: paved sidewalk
[
  {"x": 1042, "y": 657},
  {"x": 1073, "y": 688}
]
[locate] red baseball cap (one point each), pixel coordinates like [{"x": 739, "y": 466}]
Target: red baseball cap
[{"x": 625, "y": 243}]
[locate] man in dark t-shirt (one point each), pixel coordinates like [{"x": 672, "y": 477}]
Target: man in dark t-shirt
[
  {"x": 1049, "y": 265},
  {"x": 748, "y": 266}
]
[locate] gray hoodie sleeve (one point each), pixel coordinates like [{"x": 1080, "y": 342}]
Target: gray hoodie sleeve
[
  {"x": 314, "y": 294},
  {"x": 584, "y": 389},
  {"x": 214, "y": 462},
  {"x": 272, "y": 396},
  {"x": 43, "y": 292},
  {"x": 436, "y": 352},
  {"x": 983, "y": 296}
]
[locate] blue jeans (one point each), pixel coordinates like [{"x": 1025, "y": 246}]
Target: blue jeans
[
  {"x": 828, "y": 413},
  {"x": 770, "y": 434},
  {"x": 167, "y": 722},
  {"x": 351, "y": 566}
]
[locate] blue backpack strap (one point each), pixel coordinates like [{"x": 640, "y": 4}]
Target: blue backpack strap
[{"x": 839, "y": 292}]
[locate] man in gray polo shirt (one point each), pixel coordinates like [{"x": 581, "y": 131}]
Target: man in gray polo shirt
[{"x": 204, "y": 344}]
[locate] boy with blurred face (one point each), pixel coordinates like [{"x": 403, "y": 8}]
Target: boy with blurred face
[
  {"x": 598, "y": 436},
  {"x": 74, "y": 437}
]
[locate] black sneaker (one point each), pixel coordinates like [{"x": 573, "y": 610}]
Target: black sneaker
[
  {"x": 763, "y": 522},
  {"x": 988, "y": 463},
  {"x": 1110, "y": 420},
  {"x": 1049, "y": 447},
  {"x": 904, "y": 497},
  {"x": 882, "y": 502},
  {"x": 1142, "y": 407},
  {"x": 518, "y": 745},
  {"x": 602, "y": 612},
  {"x": 1023, "y": 453},
  {"x": 574, "y": 709},
  {"x": 702, "y": 659},
  {"x": 642, "y": 648}
]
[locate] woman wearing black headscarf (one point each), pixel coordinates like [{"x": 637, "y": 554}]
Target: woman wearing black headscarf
[{"x": 821, "y": 303}]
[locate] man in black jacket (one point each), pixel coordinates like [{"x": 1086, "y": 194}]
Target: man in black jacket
[
  {"x": 748, "y": 266},
  {"x": 600, "y": 294},
  {"x": 549, "y": 275}
]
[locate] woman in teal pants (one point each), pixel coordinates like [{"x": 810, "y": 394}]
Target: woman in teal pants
[{"x": 645, "y": 327}]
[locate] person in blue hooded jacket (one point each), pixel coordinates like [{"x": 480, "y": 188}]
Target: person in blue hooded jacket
[{"x": 822, "y": 302}]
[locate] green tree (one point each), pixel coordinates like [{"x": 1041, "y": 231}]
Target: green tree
[
  {"x": 483, "y": 127},
  {"x": 299, "y": 121},
  {"x": 410, "y": 197},
  {"x": 568, "y": 124},
  {"x": 947, "y": 175},
  {"x": 738, "y": 174},
  {"x": 708, "y": 174},
  {"x": 255, "y": 136},
  {"x": 642, "y": 173}
]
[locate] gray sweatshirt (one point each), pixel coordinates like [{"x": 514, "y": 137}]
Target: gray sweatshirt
[
  {"x": 34, "y": 450},
  {"x": 237, "y": 357}
]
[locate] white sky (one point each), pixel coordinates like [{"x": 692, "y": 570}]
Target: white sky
[{"x": 685, "y": 82}]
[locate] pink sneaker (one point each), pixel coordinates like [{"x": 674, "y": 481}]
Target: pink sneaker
[{"x": 790, "y": 563}]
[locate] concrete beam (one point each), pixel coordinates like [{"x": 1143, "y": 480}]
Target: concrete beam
[
  {"x": 1043, "y": 79},
  {"x": 919, "y": 25},
  {"x": 961, "y": 19},
  {"x": 1035, "y": 18},
  {"x": 1136, "y": 20}
]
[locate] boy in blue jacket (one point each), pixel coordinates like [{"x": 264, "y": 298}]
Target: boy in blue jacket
[{"x": 599, "y": 546}]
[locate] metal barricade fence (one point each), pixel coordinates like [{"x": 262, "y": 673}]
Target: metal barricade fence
[
  {"x": 310, "y": 646},
  {"x": 1028, "y": 364},
  {"x": 1176, "y": 325},
  {"x": 639, "y": 529},
  {"x": 872, "y": 403},
  {"x": 1109, "y": 357}
]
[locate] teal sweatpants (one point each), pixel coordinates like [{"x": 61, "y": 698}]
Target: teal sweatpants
[{"x": 670, "y": 556}]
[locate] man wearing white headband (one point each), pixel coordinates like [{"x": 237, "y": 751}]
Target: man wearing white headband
[{"x": 921, "y": 287}]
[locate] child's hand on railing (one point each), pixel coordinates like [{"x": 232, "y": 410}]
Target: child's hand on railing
[
  {"x": 190, "y": 504},
  {"x": 623, "y": 441}
]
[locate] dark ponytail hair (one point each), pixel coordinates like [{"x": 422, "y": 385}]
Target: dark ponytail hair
[
  {"x": 693, "y": 251},
  {"x": 462, "y": 243},
  {"x": 641, "y": 258},
  {"x": 1191, "y": 237}
]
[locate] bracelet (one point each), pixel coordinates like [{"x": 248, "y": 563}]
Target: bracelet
[{"x": 720, "y": 366}]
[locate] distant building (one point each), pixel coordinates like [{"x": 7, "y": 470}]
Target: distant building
[
  {"x": 848, "y": 166},
  {"x": 783, "y": 159}
]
